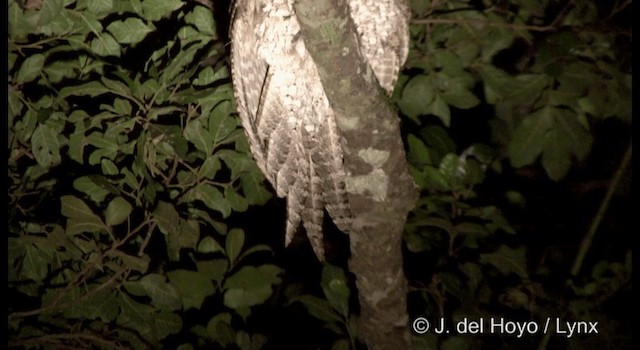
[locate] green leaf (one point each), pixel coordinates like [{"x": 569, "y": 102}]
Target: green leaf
[
  {"x": 460, "y": 97},
  {"x": 449, "y": 167},
  {"x": 108, "y": 167},
  {"x": 507, "y": 260},
  {"x": 435, "y": 179},
  {"x": 100, "y": 7},
  {"x": 440, "y": 109},
  {"x": 320, "y": 309},
  {"x": 46, "y": 148},
  {"x": 335, "y": 288},
  {"x": 130, "y": 31},
  {"x": 50, "y": 10},
  {"x": 202, "y": 19},
  {"x": 88, "y": 185},
  {"x": 253, "y": 188},
  {"x": 103, "y": 304},
  {"x": 417, "y": 96},
  {"x": 529, "y": 137},
  {"x": 166, "y": 323},
  {"x": 236, "y": 201},
  {"x": 117, "y": 211},
  {"x": 211, "y": 197},
  {"x": 209, "y": 245},
  {"x": 221, "y": 124},
  {"x": 215, "y": 269},
  {"x": 556, "y": 156},
  {"x": 167, "y": 218},
  {"x": 163, "y": 295},
  {"x": 193, "y": 286},
  {"x": 92, "y": 89},
  {"x": 34, "y": 263},
  {"x": 186, "y": 237},
  {"x": 177, "y": 64},
  {"x": 210, "y": 167},
  {"x": 140, "y": 264},
  {"x": 234, "y": 244},
  {"x": 195, "y": 133},
  {"x": 156, "y": 9},
  {"x": 578, "y": 136},
  {"x": 105, "y": 45},
  {"x": 84, "y": 218},
  {"x": 250, "y": 286},
  {"x": 418, "y": 152},
  {"x": 30, "y": 68}
]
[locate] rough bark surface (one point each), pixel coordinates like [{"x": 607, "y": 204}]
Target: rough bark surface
[{"x": 380, "y": 189}]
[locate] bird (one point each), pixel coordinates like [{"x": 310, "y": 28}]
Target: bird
[{"x": 285, "y": 113}]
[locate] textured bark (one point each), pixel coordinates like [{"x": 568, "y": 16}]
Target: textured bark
[{"x": 380, "y": 190}]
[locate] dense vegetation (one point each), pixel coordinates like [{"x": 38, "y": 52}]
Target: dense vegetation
[{"x": 137, "y": 218}]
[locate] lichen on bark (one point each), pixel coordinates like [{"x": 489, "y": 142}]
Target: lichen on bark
[{"x": 372, "y": 145}]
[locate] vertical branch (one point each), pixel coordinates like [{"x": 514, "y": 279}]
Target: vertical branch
[{"x": 380, "y": 189}]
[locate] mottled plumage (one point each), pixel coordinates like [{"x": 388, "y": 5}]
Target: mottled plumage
[{"x": 286, "y": 115}]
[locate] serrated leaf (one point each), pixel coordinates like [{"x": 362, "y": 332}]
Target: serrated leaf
[
  {"x": 117, "y": 211},
  {"x": 156, "y": 9},
  {"x": 193, "y": 286},
  {"x": 130, "y": 31},
  {"x": 507, "y": 260},
  {"x": 234, "y": 244},
  {"x": 202, "y": 19},
  {"x": 45, "y": 145},
  {"x": 528, "y": 138},
  {"x": 30, "y": 68}
]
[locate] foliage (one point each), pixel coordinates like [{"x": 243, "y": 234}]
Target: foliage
[
  {"x": 124, "y": 150},
  {"x": 550, "y": 75},
  {"x": 127, "y": 167},
  {"x": 558, "y": 80}
]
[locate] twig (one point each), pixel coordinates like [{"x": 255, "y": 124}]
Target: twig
[
  {"x": 77, "y": 337},
  {"x": 593, "y": 228}
]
